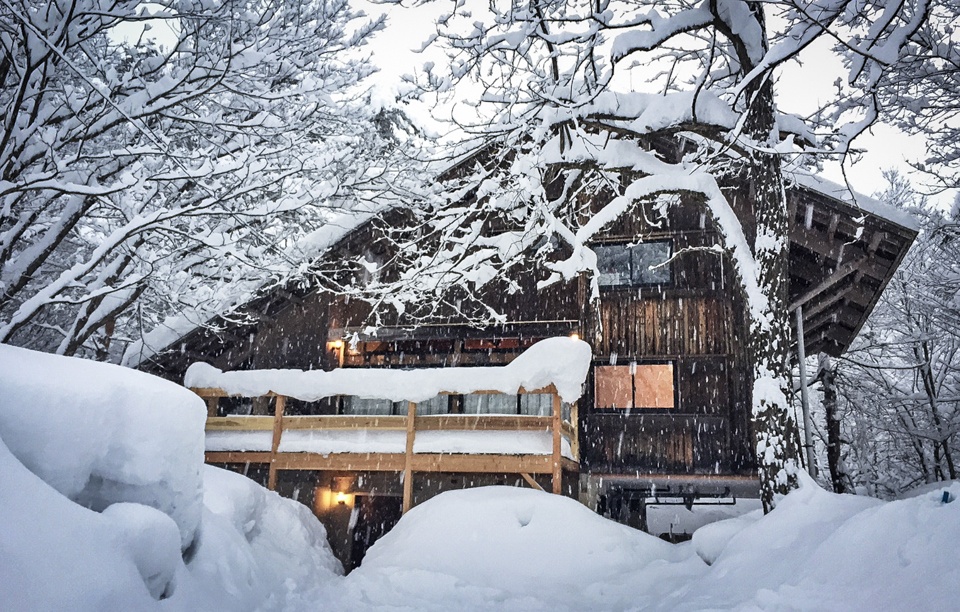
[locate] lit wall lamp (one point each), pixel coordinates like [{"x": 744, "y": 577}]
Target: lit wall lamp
[
  {"x": 575, "y": 336},
  {"x": 341, "y": 498},
  {"x": 336, "y": 345}
]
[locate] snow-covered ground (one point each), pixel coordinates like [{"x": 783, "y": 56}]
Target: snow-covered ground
[
  {"x": 516, "y": 549},
  {"x": 105, "y": 505}
]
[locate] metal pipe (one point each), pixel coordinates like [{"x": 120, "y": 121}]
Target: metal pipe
[{"x": 804, "y": 399}]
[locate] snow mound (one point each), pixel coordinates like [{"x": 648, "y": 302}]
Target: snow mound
[
  {"x": 517, "y": 549},
  {"x": 256, "y": 550},
  {"x": 822, "y": 551},
  {"x": 562, "y": 362},
  {"x": 505, "y": 548},
  {"x": 101, "y": 434},
  {"x": 62, "y": 556}
]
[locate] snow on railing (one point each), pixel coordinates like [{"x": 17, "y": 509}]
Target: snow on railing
[{"x": 561, "y": 362}]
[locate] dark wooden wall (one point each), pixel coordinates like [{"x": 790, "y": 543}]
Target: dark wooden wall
[{"x": 697, "y": 323}]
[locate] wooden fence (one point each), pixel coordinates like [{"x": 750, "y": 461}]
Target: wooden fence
[{"x": 407, "y": 462}]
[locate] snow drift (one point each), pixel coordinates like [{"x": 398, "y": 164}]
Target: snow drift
[
  {"x": 515, "y": 549},
  {"x": 101, "y": 434},
  {"x": 102, "y": 484}
]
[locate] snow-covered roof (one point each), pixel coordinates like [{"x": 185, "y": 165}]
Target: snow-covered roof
[
  {"x": 561, "y": 362},
  {"x": 873, "y": 206},
  {"x": 178, "y": 325}
]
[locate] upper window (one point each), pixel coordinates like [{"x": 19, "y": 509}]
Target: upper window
[{"x": 638, "y": 264}]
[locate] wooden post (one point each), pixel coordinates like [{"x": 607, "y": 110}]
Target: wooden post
[
  {"x": 575, "y": 423},
  {"x": 212, "y": 404},
  {"x": 408, "y": 461},
  {"x": 555, "y": 427},
  {"x": 530, "y": 481},
  {"x": 279, "y": 404}
]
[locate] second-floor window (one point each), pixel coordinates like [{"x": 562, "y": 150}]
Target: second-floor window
[{"x": 634, "y": 264}]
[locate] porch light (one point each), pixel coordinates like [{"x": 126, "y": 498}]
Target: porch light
[
  {"x": 574, "y": 336},
  {"x": 341, "y": 498}
]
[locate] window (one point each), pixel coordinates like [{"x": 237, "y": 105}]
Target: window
[
  {"x": 365, "y": 406},
  {"x": 536, "y": 404},
  {"x": 638, "y": 264},
  {"x": 639, "y": 385},
  {"x": 489, "y": 403},
  {"x": 436, "y": 405}
]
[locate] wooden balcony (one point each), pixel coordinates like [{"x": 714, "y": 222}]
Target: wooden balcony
[{"x": 462, "y": 443}]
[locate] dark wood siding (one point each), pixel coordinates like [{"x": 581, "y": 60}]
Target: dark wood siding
[{"x": 696, "y": 323}]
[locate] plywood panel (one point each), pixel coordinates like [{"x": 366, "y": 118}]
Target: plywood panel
[
  {"x": 654, "y": 386},
  {"x": 614, "y": 387}
]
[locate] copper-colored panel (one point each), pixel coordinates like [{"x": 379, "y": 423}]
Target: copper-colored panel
[
  {"x": 654, "y": 386},
  {"x": 613, "y": 387}
]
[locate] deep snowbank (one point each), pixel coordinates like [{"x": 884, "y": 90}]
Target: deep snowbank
[
  {"x": 513, "y": 549},
  {"x": 507, "y": 548},
  {"x": 102, "y": 482},
  {"x": 101, "y": 434},
  {"x": 821, "y": 551}
]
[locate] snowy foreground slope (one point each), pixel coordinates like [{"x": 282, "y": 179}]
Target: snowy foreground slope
[
  {"x": 105, "y": 505},
  {"x": 514, "y": 549}
]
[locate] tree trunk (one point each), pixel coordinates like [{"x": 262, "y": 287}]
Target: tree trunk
[
  {"x": 828, "y": 378},
  {"x": 770, "y": 338}
]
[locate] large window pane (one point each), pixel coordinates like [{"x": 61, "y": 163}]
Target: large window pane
[
  {"x": 539, "y": 404},
  {"x": 613, "y": 262},
  {"x": 645, "y": 257},
  {"x": 490, "y": 403},
  {"x": 434, "y": 405},
  {"x": 634, "y": 386},
  {"x": 638, "y": 264},
  {"x": 363, "y": 406}
]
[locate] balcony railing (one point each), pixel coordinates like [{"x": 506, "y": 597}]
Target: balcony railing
[{"x": 402, "y": 443}]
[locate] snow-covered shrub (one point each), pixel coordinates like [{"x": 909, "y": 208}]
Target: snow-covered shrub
[{"x": 256, "y": 546}]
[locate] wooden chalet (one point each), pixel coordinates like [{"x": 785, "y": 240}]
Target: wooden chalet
[{"x": 665, "y": 408}]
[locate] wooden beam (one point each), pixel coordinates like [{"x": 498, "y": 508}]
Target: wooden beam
[
  {"x": 841, "y": 273},
  {"x": 237, "y": 457},
  {"x": 483, "y": 422},
  {"x": 212, "y": 404},
  {"x": 836, "y": 251},
  {"x": 279, "y": 403},
  {"x": 408, "y": 457},
  {"x": 845, "y": 314},
  {"x": 555, "y": 456},
  {"x": 489, "y": 464},
  {"x": 346, "y": 462},
  {"x": 340, "y": 422},
  {"x": 240, "y": 423},
  {"x": 396, "y": 462},
  {"x": 575, "y": 422},
  {"x": 530, "y": 481},
  {"x": 825, "y": 302}
]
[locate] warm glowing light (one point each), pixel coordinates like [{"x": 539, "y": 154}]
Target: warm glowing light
[
  {"x": 341, "y": 498},
  {"x": 575, "y": 336},
  {"x": 337, "y": 344}
]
